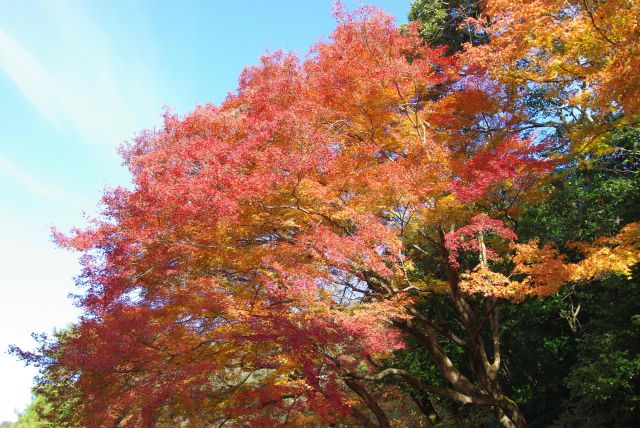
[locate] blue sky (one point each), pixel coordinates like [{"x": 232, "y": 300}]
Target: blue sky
[{"x": 78, "y": 78}]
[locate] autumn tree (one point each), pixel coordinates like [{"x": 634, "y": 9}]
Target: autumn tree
[
  {"x": 583, "y": 54},
  {"x": 591, "y": 194},
  {"x": 274, "y": 251}
]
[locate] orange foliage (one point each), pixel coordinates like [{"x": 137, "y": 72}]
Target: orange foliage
[
  {"x": 268, "y": 245},
  {"x": 588, "y": 49}
]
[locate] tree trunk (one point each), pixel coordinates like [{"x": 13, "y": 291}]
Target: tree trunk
[
  {"x": 372, "y": 404},
  {"x": 509, "y": 415}
]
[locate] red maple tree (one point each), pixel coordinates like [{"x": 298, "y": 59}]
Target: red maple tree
[{"x": 273, "y": 250}]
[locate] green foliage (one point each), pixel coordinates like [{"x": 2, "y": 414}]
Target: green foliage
[
  {"x": 33, "y": 416},
  {"x": 539, "y": 347},
  {"x": 589, "y": 363},
  {"x": 593, "y": 200},
  {"x": 582, "y": 347},
  {"x": 443, "y": 22},
  {"x": 604, "y": 382}
]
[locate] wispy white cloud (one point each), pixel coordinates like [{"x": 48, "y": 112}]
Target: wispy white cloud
[
  {"x": 35, "y": 187},
  {"x": 36, "y": 277},
  {"x": 80, "y": 76},
  {"x": 34, "y": 81}
]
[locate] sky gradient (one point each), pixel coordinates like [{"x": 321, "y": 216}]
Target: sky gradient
[{"x": 79, "y": 78}]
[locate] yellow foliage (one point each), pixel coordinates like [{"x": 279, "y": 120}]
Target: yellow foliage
[{"x": 541, "y": 271}]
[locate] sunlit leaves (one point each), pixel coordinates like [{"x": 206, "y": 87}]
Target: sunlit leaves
[{"x": 271, "y": 247}]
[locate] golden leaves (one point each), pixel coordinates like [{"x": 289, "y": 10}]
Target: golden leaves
[
  {"x": 542, "y": 270},
  {"x": 544, "y": 267},
  {"x": 587, "y": 49},
  {"x": 616, "y": 254}
]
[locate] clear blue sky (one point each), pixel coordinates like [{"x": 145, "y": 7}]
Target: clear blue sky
[{"x": 77, "y": 78}]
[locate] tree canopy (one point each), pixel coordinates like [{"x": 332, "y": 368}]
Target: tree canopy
[{"x": 341, "y": 239}]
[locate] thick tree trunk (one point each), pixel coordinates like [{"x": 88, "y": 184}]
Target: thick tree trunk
[
  {"x": 372, "y": 404},
  {"x": 510, "y": 416},
  {"x": 515, "y": 415},
  {"x": 362, "y": 419},
  {"x": 478, "y": 384}
]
